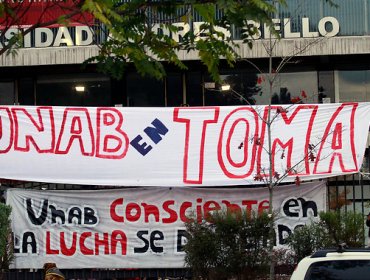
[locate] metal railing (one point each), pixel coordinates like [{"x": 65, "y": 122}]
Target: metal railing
[
  {"x": 180, "y": 273},
  {"x": 347, "y": 193}
]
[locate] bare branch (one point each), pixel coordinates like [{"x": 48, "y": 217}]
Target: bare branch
[{"x": 305, "y": 157}]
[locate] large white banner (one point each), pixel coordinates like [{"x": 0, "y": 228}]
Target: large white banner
[
  {"x": 200, "y": 146},
  {"x": 137, "y": 227}
]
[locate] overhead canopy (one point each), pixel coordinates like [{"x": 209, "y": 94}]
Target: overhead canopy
[
  {"x": 49, "y": 13},
  {"x": 185, "y": 146}
]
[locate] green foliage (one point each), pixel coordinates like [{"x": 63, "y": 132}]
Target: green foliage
[
  {"x": 230, "y": 245},
  {"x": 6, "y": 255},
  {"x": 307, "y": 239},
  {"x": 344, "y": 227},
  {"x": 13, "y": 12},
  {"x": 333, "y": 229},
  {"x": 134, "y": 40}
]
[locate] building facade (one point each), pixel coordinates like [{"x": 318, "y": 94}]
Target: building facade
[
  {"x": 325, "y": 50},
  {"x": 329, "y": 46}
]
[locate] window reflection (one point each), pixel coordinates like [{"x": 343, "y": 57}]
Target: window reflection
[
  {"x": 354, "y": 86},
  {"x": 254, "y": 89},
  {"x": 61, "y": 90},
  {"x": 194, "y": 95},
  {"x": 7, "y": 93},
  {"x": 243, "y": 89},
  {"x": 339, "y": 270},
  {"x": 326, "y": 90},
  {"x": 174, "y": 96},
  {"x": 144, "y": 91},
  {"x": 289, "y": 88}
]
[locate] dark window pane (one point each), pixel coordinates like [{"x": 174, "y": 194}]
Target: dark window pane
[
  {"x": 339, "y": 270},
  {"x": 26, "y": 95},
  {"x": 288, "y": 88},
  {"x": 243, "y": 90},
  {"x": 144, "y": 92},
  {"x": 7, "y": 93},
  {"x": 354, "y": 86},
  {"x": 326, "y": 87},
  {"x": 174, "y": 89},
  {"x": 73, "y": 90},
  {"x": 118, "y": 92},
  {"x": 194, "y": 94},
  {"x": 254, "y": 89}
]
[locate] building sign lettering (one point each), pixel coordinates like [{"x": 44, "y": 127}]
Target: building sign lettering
[
  {"x": 83, "y": 35},
  {"x": 326, "y": 27}
]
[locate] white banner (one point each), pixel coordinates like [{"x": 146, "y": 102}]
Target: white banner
[
  {"x": 137, "y": 227},
  {"x": 200, "y": 146}
]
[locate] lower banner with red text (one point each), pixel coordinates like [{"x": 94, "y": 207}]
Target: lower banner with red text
[{"x": 138, "y": 227}]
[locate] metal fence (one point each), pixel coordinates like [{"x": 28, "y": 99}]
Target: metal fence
[
  {"x": 92, "y": 274},
  {"x": 347, "y": 193},
  {"x": 281, "y": 272}
]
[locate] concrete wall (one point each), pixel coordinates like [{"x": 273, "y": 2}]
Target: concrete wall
[{"x": 284, "y": 48}]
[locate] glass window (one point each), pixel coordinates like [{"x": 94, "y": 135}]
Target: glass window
[
  {"x": 243, "y": 90},
  {"x": 26, "y": 94},
  {"x": 144, "y": 92},
  {"x": 289, "y": 88},
  {"x": 326, "y": 91},
  {"x": 350, "y": 14},
  {"x": 194, "y": 94},
  {"x": 7, "y": 93},
  {"x": 353, "y": 16},
  {"x": 252, "y": 88},
  {"x": 174, "y": 89},
  {"x": 73, "y": 90},
  {"x": 296, "y": 10},
  {"x": 339, "y": 270},
  {"x": 354, "y": 85}
]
